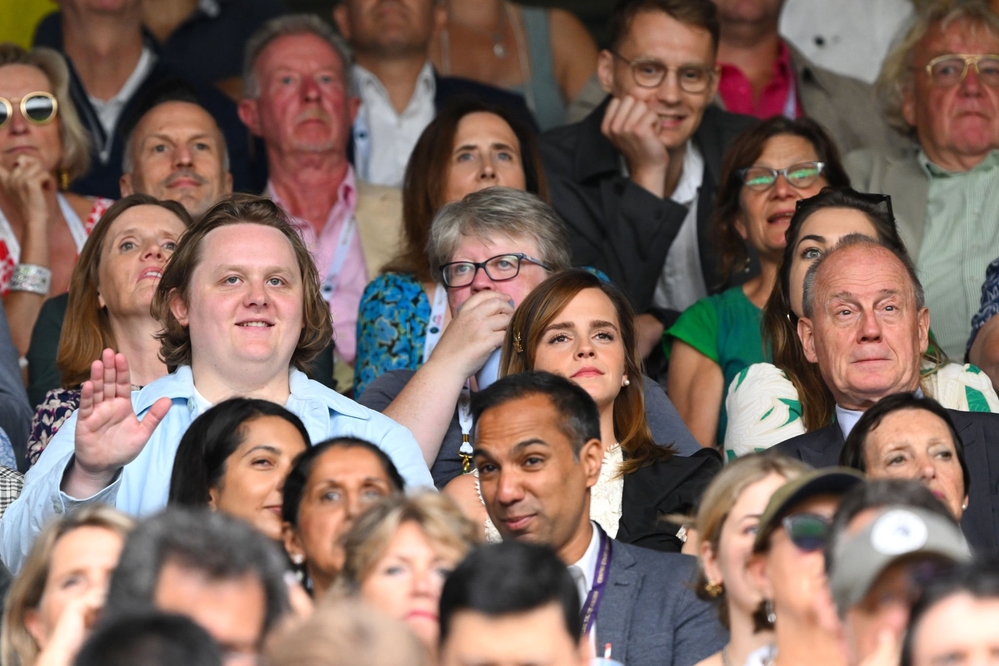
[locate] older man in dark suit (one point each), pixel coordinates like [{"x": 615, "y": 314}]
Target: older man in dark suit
[
  {"x": 538, "y": 452},
  {"x": 867, "y": 326}
]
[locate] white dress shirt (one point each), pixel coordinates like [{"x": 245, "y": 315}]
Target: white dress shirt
[
  {"x": 384, "y": 139},
  {"x": 681, "y": 283}
]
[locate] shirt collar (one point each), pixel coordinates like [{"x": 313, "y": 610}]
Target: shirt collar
[
  {"x": 367, "y": 82},
  {"x": 587, "y": 564},
  {"x": 937, "y": 172},
  {"x": 847, "y": 418},
  {"x": 346, "y": 195}
]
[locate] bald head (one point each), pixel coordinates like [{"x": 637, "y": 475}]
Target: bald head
[
  {"x": 177, "y": 152},
  {"x": 865, "y": 324}
]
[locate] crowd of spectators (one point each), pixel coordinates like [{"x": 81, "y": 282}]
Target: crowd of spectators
[{"x": 428, "y": 332}]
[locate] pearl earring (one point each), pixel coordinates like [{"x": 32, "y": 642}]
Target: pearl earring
[{"x": 626, "y": 382}]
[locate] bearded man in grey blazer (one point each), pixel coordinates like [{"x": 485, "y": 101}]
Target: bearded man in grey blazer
[{"x": 538, "y": 452}]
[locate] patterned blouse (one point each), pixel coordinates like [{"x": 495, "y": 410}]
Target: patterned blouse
[
  {"x": 391, "y": 327},
  {"x": 57, "y": 406}
]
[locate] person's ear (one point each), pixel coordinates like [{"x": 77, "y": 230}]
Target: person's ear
[
  {"x": 341, "y": 16},
  {"x": 756, "y": 573},
  {"x": 591, "y": 457},
  {"x": 807, "y": 337},
  {"x": 292, "y": 543},
  {"x": 740, "y": 225},
  {"x": 125, "y": 184},
  {"x": 213, "y": 499},
  {"x": 715, "y": 82},
  {"x": 249, "y": 115},
  {"x": 709, "y": 562},
  {"x": 923, "y": 324},
  {"x": 353, "y": 107},
  {"x": 605, "y": 70},
  {"x": 179, "y": 309},
  {"x": 909, "y": 105},
  {"x": 33, "y": 623}
]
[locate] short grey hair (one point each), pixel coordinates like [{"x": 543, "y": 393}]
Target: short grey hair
[
  {"x": 859, "y": 240},
  {"x": 128, "y": 158},
  {"x": 498, "y": 211},
  {"x": 289, "y": 25},
  {"x": 897, "y": 72}
]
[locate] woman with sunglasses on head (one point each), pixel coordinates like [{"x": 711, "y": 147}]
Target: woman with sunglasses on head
[
  {"x": 765, "y": 172},
  {"x": 787, "y": 567},
  {"x": 43, "y": 147},
  {"x": 769, "y": 403}
]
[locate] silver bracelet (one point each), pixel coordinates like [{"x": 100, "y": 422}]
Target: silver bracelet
[{"x": 31, "y": 278}]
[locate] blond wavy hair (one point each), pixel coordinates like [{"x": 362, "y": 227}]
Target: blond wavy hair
[
  {"x": 17, "y": 645},
  {"x": 75, "y": 160}
]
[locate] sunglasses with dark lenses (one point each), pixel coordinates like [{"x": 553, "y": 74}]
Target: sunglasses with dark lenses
[
  {"x": 807, "y": 531},
  {"x": 37, "y": 107}
]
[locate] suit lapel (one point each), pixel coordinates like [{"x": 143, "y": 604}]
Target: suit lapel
[
  {"x": 823, "y": 449},
  {"x": 614, "y": 615}
]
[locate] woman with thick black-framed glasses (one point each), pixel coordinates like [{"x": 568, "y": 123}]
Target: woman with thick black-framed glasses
[{"x": 42, "y": 148}]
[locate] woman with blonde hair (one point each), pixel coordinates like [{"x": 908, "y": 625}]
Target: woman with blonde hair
[
  {"x": 726, "y": 525},
  {"x": 59, "y": 592},
  {"x": 398, "y": 555},
  {"x": 43, "y": 147}
]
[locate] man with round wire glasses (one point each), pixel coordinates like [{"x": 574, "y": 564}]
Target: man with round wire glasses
[
  {"x": 940, "y": 84},
  {"x": 636, "y": 179}
]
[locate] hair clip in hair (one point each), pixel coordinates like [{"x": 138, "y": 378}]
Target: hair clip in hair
[{"x": 517, "y": 346}]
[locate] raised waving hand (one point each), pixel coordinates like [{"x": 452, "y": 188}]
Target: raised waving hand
[{"x": 108, "y": 433}]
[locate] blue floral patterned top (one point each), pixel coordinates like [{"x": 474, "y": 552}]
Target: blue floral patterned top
[{"x": 391, "y": 327}]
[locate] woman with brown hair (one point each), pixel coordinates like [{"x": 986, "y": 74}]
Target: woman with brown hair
[
  {"x": 578, "y": 326},
  {"x": 58, "y": 594},
  {"x": 469, "y": 146},
  {"x": 43, "y": 147},
  {"x": 768, "y": 404},
  {"x": 398, "y": 555},
  {"x": 765, "y": 172},
  {"x": 110, "y": 292}
]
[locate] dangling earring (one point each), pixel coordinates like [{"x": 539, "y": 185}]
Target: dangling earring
[
  {"x": 771, "y": 615},
  {"x": 63, "y": 180},
  {"x": 517, "y": 347},
  {"x": 297, "y": 559},
  {"x": 714, "y": 589}
]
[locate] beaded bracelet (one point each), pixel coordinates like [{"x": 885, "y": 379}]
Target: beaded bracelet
[{"x": 31, "y": 278}]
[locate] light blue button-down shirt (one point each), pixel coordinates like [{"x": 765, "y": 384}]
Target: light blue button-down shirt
[{"x": 141, "y": 488}]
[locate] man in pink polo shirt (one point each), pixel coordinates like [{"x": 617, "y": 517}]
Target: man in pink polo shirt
[{"x": 298, "y": 98}]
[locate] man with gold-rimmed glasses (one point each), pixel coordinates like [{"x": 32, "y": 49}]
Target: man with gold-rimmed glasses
[
  {"x": 941, "y": 85},
  {"x": 635, "y": 180}
]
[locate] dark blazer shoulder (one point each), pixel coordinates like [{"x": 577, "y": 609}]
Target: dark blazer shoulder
[
  {"x": 663, "y": 488},
  {"x": 818, "y": 448}
]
